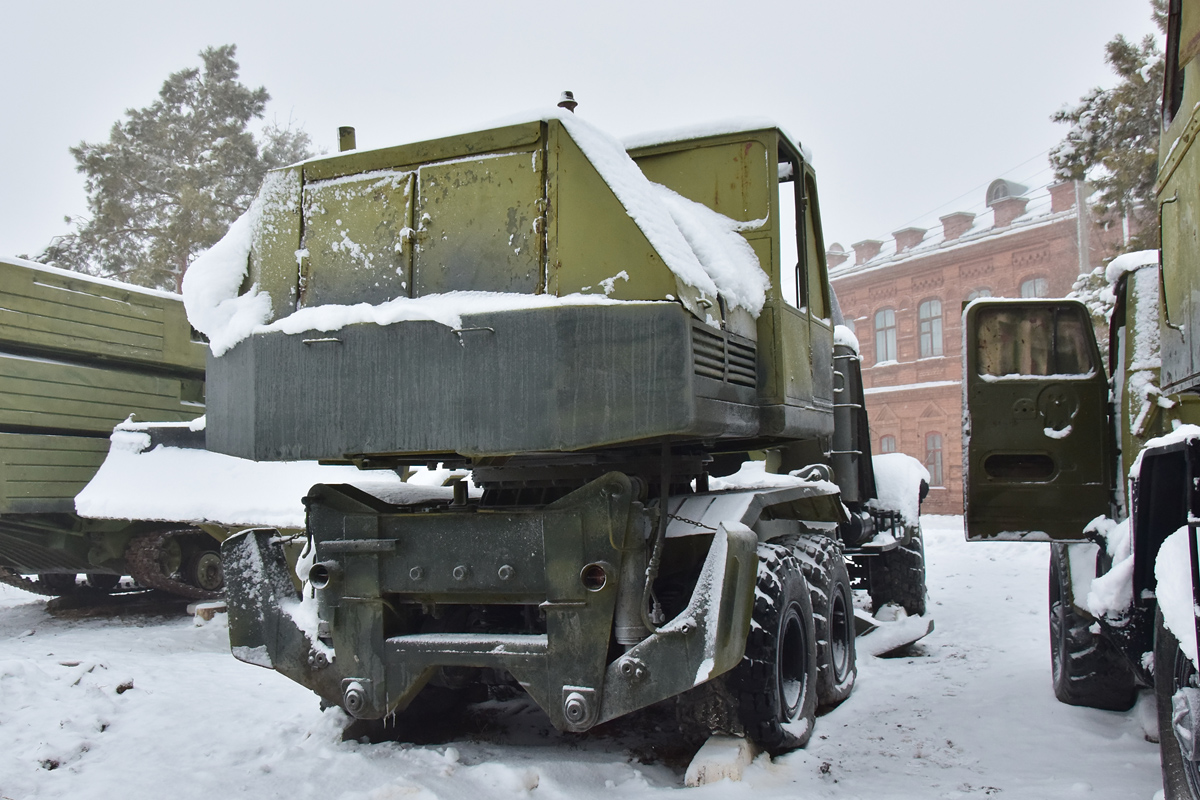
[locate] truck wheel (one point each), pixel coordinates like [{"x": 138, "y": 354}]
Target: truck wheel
[
  {"x": 775, "y": 683},
  {"x": 1088, "y": 670},
  {"x": 824, "y": 568},
  {"x": 898, "y": 576},
  {"x": 101, "y": 581},
  {"x": 59, "y": 583},
  {"x": 1172, "y": 671},
  {"x": 203, "y": 569}
]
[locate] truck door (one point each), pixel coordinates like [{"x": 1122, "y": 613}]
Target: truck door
[{"x": 1036, "y": 435}]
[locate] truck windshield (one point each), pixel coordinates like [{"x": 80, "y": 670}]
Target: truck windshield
[{"x": 1032, "y": 340}]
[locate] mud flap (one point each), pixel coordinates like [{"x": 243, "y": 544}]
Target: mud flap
[
  {"x": 707, "y": 639},
  {"x": 262, "y": 597},
  {"x": 257, "y": 580}
]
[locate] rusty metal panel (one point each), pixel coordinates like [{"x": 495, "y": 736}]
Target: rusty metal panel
[
  {"x": 357, "y": 239},
  {"x": 480, "y": 224}
]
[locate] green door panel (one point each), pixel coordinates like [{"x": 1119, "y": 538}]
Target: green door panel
[
  {"x": 357, "y": 238},
  {"x": 480, "y": 223},
  {"x": 1037, "y": 440}
]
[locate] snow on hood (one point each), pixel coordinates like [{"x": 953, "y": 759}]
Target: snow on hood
[
  {"x": 1173, "y": 575},
  {"x": 898, "y": 480},
  {"x": 701, "y": 247},
  {"x": 1180, "y": 434},
  {"x": 844, "y": 336},
  {"x": 1128, "y": 263}
]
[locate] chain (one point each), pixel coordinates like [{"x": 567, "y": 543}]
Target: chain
[{"x": 691, "y": 522}]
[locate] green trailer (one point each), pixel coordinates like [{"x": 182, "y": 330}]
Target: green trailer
[
  {"x": 77, "y": 356},
  {"x": 1100, "y": 459}
]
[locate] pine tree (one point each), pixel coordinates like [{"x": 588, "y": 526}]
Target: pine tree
[
  {"x": 173, "y": 176},
  {"x": 1113, "y": 141}
]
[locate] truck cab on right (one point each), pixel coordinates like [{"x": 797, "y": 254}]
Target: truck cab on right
[{"x": 1101, "y": 457}]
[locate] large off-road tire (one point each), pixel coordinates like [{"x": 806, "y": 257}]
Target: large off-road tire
[
  {"x": 774, "y": 686},
  {"x": 898, "y": 576},
  {"x": 1087, "y": 668},
  {"x": 824, "y": 568},
  {"x": 1172, "y": 671}
]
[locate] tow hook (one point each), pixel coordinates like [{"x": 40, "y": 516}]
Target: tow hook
[{"x": 1185, "y": 710}]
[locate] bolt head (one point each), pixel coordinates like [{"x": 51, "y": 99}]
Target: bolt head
[
  {"x": 575, "y": 708},
  {"x": 354, "y": 699}
]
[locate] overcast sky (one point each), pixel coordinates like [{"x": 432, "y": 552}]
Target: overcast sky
[{"x": 910, "y": 108}]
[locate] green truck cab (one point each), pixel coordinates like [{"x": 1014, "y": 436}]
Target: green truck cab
[
  {"x": 77, "y": 356},
  {"x": 1101, "y": 462},
  {"x": 598, "y": 337}
]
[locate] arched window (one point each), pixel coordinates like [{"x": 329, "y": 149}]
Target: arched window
[
  {"x": 887, "y": 444},
  {"x": 1035, "y": 287},
  {"x": 930, "y": 316},
  {"x": 982, "y": 291},
  {"x": 849, "y": 323},
  {"x": 885, "y": 335},
  {"x": 933, "y": 458}
]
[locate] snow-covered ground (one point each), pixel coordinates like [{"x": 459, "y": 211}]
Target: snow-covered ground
[{"x": 151, "y": 707}]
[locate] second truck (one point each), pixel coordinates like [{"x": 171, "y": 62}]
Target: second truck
[
  {"x": 599, "y": 337},
  {"x": 1104, "y": 464}
]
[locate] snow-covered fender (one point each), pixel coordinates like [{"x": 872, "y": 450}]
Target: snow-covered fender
[{"x": 263, "y": 611}]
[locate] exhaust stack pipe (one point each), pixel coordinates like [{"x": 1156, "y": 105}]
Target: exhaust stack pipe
[
  {"x": 345, "y": 138},
  {"x": 567, "y": 100}
]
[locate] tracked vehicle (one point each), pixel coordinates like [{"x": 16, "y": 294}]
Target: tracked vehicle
[
  {"x": 77, "y": 356},
  {"x": 601, "y": 338},
  {"x": 1103, "y": 464}
]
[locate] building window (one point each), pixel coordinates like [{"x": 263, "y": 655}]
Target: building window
[
  {"x": 885, "y": 335},
  {"x": 933, "y": 458},
  {"x": 1035, "y": 287},
  {"x": 887, "y": 444},
  {"x": 975, "y": 294},
  {"x": 849, "y": 323},
  {"x": 930, "y": 315}
]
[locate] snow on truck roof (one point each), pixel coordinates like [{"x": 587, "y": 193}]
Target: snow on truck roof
[{"x": 703, "y": 248}]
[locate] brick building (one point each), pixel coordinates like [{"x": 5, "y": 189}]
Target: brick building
[{"x": 903, "y": 299}]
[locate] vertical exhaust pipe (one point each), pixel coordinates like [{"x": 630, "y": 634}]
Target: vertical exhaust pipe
[{"x": 345, "y": 138}]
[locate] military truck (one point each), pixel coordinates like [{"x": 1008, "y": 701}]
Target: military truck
[
  {"x": 598, "y": 338},
  {"x": 78, "y": 355},
  {"x": 1102, "y": 466}
]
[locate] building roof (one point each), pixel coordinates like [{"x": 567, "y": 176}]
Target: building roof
[{"x": 983, "y": 228}]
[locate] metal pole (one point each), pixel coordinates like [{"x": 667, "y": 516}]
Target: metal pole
[{"x": 1081, "y": 229}]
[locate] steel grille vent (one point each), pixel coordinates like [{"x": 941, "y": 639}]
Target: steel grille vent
[{"x": 724, "y": 357}]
